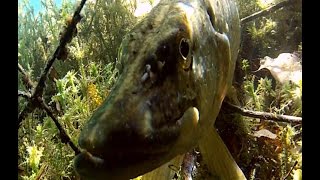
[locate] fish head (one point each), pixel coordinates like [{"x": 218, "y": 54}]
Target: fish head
[
  {"x": 140, "y": 124},
  {"x": 173, "y": 73}
]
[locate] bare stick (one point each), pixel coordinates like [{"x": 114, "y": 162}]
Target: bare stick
[
  {"x": 36, "y": 97},
  {"x": 65, "y": 38},
  {"x": 295, "y": 163},
  {"x": 265, "y": 11},
  {"x": 29, "y": 86},
  {"x": 63, "y": 135},
  {"x": 262, "y": 115}
]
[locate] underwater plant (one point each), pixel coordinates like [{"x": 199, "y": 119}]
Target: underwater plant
[{"x": 83, "y": 78}]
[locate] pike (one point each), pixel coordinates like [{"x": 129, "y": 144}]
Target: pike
[{"x": 175, "y": 67}]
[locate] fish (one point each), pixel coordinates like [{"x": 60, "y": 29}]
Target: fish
[{"x": 175, "y": 68}]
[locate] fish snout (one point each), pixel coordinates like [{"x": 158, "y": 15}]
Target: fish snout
[{"x": 122, "y": 128}]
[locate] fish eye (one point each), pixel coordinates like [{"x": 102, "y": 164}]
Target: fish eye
[{"x": 184, "y": 48}]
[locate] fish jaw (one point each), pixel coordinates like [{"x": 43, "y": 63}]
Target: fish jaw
[{"x": 93, "y": 167}]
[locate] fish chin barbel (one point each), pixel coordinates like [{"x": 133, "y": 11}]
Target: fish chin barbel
[{"x": 175, "y": 68}]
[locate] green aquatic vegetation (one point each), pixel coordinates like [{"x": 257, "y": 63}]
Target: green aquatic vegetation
[
  {"x": 252, "y": 97},
  {"x": 247, "y": 7},
  {"x": 88, "y": 73},
  {"x": 291, "y": 150},
  {"x": 256, "y": 32},
  {"x": 83, "y": 81},
  {"x": 279, "y": 155},
  {"x": 245, "y": 65},
  {"x": 262, "y": 31},
  {"x": 290, "y": 98},
  {"x": 258, "y": 96}
]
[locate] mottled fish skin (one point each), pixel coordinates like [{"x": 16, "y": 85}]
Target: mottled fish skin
[{"x": 175, "y": 68}]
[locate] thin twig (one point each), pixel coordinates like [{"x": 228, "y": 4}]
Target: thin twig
[
  {"x": 20, "y": 68},
  {"x": 262, "y": 115},
  {"x": 294, "y": 165},
  {"x": 65, "y": 38},
  {"x": 63, "y": 42},
  {"x": 265, "y": 11},
  {"x": 29, "y": 86},
  {"x": 42, "y": 170},
  {"x": 36, "y": 97},
  {"x": 63, "y": 135}
]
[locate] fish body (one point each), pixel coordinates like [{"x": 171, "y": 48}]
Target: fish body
[{"x": 175, "y": 68}]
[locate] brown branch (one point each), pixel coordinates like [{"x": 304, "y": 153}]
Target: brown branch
[
  {"x": 63, "y": 135},
  {"x": 265, "y": 11},
  {"x": 36, "y": 97},
  {"x": 262, "y": 115},
  {"x": 29, "y": 86},
  {"x": 65, "y": 38},
  {"x": 42, "y": 170},
  {"x": 294, "y": 165}
]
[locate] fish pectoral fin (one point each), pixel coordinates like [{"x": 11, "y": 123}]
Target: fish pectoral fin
[{"x": 218, "y": 158}]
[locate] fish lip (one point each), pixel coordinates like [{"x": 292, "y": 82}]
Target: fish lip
[
  {"x": 89, "y": 166},
  {"x": 115, "y": 158},
  {"x": 147, "y": 145},
  {"x": 96, "y": 159},
  {"x": 152, "y": 149}
]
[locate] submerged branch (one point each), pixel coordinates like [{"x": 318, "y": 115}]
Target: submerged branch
[
  {"x": 262, "y": 115},
  {"x": 65, "y": 38},
  {"x": 38, "y": 90},
  {"x": 36, "y": 99},
  {"x": 29, "y": 86},
  {"x": 288, "y": 174},
  {"x": 63, "y": 135},
  {"x": 265, "y": 11}
]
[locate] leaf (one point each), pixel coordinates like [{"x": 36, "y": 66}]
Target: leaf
[
  {"x": 265, "y": 133},
  {"x": 286, "y": 67}
]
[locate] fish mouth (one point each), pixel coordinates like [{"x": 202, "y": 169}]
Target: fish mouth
[
  {"x": 118, "y": 163},
  {"x": 125, "y": 162},
  {"x": 90, "y": 166},
  {"x": 129, "y": 146},
  {"x": 116, "y": 159},
  {"x": 138, "y": 148}
]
